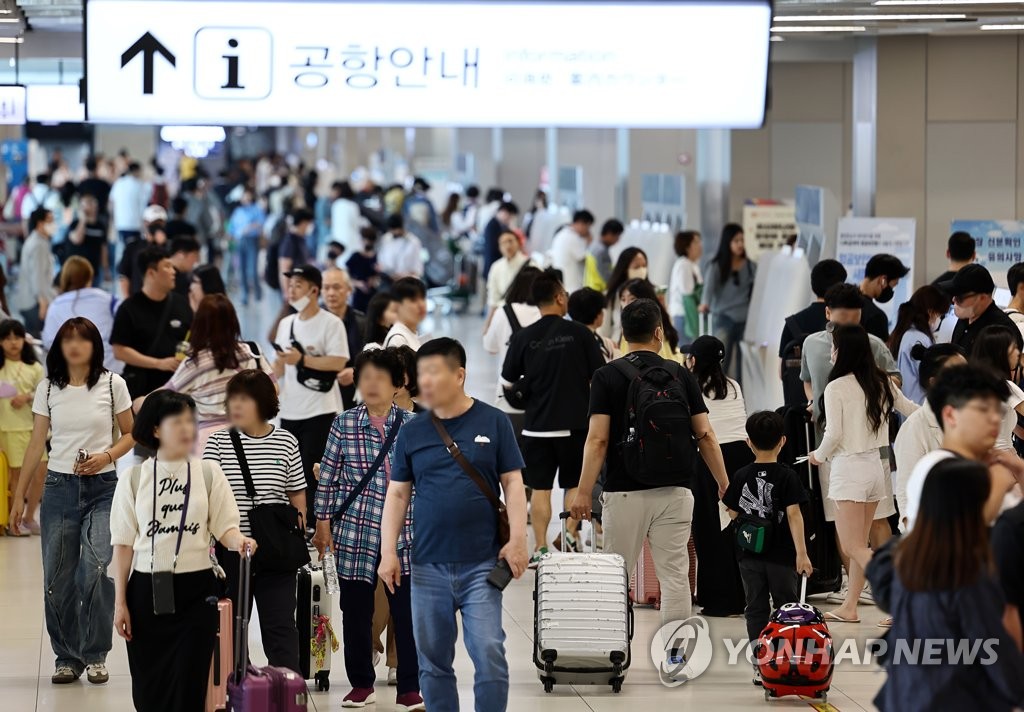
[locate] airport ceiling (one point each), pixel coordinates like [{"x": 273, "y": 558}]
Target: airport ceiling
[{"x": 793, "y": 18}]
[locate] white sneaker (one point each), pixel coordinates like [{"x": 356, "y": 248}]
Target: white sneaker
[
  {"x": 97, "y": 674},
  {"x": 837, "y": 596},
  {"x": 392, "y": 677},
  {"x": 866, "y": 597}
]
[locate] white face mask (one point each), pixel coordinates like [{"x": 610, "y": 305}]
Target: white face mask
[
  {"x": 300, "y": 304},
  {"x": 963, "y": 312},
  {"x": 638, "y": 273},
  {"x": 935, "y": 323}
]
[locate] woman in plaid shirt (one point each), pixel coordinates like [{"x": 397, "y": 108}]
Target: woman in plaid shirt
[{"x": 354, "y": 444}]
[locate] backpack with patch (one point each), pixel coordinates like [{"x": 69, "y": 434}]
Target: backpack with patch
[
  {"x": 658, "y": 448},
  {"x": 792, "y": 386}
]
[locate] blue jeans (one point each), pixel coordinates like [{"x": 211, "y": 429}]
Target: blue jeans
[
  {"x": 248, "y": 252},
  {"x": 79, "y": 596},
  {"x": 438, "y": 591}
]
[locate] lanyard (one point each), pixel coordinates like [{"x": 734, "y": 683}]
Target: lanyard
[{"x": 181, "y": 526}]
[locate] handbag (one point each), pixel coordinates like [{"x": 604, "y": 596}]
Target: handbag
[
  {"x": 504, "y": 531},
  {"x": 276, "y": 526},
  {"x": 312, "y": 378},
  {"x": 377, "y": 462}
]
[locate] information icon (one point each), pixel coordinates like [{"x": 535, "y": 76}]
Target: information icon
[{"x": 233, "y": 63}]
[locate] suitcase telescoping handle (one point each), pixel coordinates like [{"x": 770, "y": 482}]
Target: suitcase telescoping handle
[
  {"x": 242, "y": 614},
  {"x": 565, "y": 516},
  {"x": 803, "y": 588}
]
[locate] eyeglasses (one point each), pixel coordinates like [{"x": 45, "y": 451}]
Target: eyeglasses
[{"x": 989, "y": 408}]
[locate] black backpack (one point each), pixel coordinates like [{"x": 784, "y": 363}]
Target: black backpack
[
  {"x": 271, "y": 275},
  {"x": 792, "y": 386},
  {"x": 657, "y": 447}
]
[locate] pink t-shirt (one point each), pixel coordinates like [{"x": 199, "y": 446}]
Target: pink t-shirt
[{"x": 378, "y": 422}]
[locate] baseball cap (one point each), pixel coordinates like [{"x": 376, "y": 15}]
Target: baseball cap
[
  {"x": 309, "y": 273},
  {"x": 154, "y": 213},
  {"x": 970, "y": 279},
  {"x": 707, "y": 348}
]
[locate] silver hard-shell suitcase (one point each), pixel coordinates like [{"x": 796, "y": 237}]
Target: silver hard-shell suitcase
[{"x": 583, "y": 619}]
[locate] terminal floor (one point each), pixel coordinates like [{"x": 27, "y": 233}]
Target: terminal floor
[{"x": 26, "y": 660}]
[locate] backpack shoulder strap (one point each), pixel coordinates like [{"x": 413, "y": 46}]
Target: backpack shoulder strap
[
  {"x": 795, "y": 332},
  {"x": 624, "y": 366},
  {"x": 513, "y": 320}
]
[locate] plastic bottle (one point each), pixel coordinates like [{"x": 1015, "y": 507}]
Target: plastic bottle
[{"x": 331, "y": 574}]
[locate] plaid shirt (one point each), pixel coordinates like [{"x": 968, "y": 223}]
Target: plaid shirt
[{"x": 352, "y": 446}]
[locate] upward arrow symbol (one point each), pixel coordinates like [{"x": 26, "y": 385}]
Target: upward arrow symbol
[{"x": 148, "y": 46}]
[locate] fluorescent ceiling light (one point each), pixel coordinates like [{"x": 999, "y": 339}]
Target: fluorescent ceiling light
[
  {"x": 11, "y": 40},
  {"x": 867, "y": 18},
  {"x": 1002, "y": 27},
  {"x": 926, "y": 3},
  {"x": 822, "y": 28}
]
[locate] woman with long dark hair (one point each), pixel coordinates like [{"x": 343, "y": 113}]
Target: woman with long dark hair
[
  {"x": 631, "y": 264},
  {"x": 216, "y": 353},
  {"x": 88, "y": 411},
  {"x": 916, "y": 323},
  {"x": 939, "y": 582},
  {"x": 519, "y": 301},
  {"x": 855, "y": 411},
  {"x": 719, "y": 586},
  {"x": 728, "y": 284},
  {"x": 642, "y": 289},
  {"x": 21, "y": 372},
  {"x": 381, "y": 315},
  {"x": 996, "y": 351}
]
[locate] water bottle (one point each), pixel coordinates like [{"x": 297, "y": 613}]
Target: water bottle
[{"x": 331, "y": 574}]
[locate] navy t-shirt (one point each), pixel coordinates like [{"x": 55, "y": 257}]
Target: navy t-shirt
[{"x": 454, "y": 521}]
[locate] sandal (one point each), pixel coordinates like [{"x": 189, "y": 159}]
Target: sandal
[
  {"x": 830, "y": 616},
  {"x": 885, "y": 622}
]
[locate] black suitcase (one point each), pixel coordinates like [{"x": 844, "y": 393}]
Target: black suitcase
[{"x": 820, "y": 534}]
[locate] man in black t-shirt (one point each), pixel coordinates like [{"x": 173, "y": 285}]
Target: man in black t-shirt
[
  {"x": 150, "y": 324},
  {"x": 87, "y": 236},
  {"x": 1008, "y": 547},
  {"x": 130, "y": 273},
  {"x": 811, "y": 319},
  {"x": 770, "y": 492},
  {"x": 556, "y": 358},
  {"x": 96, "y": 187},
  {"x": 971, "y": 289},
  {"x": 881, "y": 275},
  {"x": 634, "y": 511}
]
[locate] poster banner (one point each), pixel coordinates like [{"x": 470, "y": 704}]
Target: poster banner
[
  {"x": 768, "y": 225},
  {"x": 1000, "y": 243},
  {"x": 810, "y": 220},
  {"x": 858, "y": 239}
]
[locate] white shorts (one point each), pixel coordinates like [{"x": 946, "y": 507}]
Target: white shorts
[{"x": 859, "y": 478}]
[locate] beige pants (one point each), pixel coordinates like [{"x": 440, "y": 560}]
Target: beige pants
[{"x": 663, "y": 516}]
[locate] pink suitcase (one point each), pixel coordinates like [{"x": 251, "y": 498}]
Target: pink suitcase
[
  {"x": 220, "y": 666},
  {"x": 644, "y": 588},
  {"x": 259, "y": 689}
]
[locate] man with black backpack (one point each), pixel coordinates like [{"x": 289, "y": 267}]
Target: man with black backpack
[
  {"x": 647, "y": 416},
  {"x": 809, "y": 320}
]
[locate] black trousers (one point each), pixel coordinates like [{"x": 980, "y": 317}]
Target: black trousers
[
  {"x": 356, "y": 600},
  {"x": 719, "y": 588},
  {"x": 762, "y": 579},
  {"x": 169, "y": 655},
  {"x": 274, "y": 594},
  {"x": 312, "y": 436}
]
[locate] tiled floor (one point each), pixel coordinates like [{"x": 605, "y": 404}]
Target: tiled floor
[{"x": 26, "y": 660}]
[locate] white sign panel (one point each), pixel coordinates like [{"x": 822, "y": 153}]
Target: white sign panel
[
  {"x": 768, "y": 227},
  {"x": 12, "y": 105},
  {"x": 859, "y": 239},
  {"x": 520, "y": 63},
  {"x": 55, "y": 103}
]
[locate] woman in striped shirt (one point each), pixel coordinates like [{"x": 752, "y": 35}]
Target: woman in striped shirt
[
  {"x": 216, "y": 353},
  {"x": 357, "y": 438}
]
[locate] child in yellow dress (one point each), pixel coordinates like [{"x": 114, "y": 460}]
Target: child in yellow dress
[{"x": 20, "y": 373}]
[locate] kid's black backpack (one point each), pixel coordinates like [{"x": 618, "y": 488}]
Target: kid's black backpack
[{"x": 658, "y": 447}]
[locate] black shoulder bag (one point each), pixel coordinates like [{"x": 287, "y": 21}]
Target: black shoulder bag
[
  {"x": 374, "y": 468},
  {"x": 311, "y": 378},
  {"x": 277, "y": 527}
]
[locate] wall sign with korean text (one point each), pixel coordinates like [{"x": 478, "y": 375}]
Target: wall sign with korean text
[{"x": 431, "y": 63}]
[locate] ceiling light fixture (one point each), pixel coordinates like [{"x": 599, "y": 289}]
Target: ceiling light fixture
[
  {"x": 11, "y": 40},
  {"x": 822, "y": 28},
  {"x": 1002, "y": 27},
  {"x": 937, "y": 3},
  {"x": 869, "y": 18}
]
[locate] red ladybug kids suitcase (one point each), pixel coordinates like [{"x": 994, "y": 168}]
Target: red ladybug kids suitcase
[{"x": 794, "y": 653}]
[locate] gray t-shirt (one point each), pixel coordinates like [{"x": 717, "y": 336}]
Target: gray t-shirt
[{"x": 816, "y": 364}]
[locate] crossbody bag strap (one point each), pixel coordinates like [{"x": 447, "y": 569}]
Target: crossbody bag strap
[
  {"x": 466, "y": 465},
  {"x": 374, "y": 468},
  {"x": 513, "y": 320},
  {"x": 243, "y": 464}
]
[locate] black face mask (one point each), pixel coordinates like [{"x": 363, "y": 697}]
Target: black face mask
[{"x": 885, "y": 296}]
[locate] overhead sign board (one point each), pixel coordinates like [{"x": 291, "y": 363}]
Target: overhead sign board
[
  {"x": 55, "y": 103},
  {"x": 12, "y": 105},
  {"x": 520, "y": 63}
]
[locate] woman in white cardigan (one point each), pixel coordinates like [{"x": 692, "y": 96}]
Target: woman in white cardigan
[
  {"x": 164, "y": 512},
  {"x": 856, "y": 406}
]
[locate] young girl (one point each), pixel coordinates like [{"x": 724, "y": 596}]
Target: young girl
[
  {"x": 856, "y": 407},
  {"x": 20, "y": 373},
  {"x": 685, "y": 285},
  {"x": 939, "y": 583}
]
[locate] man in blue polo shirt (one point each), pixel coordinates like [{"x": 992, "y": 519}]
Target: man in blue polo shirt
[{"x": 455, "y": 529}]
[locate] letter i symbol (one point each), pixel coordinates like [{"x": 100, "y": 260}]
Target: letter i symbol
[{"x": 232, "y": 59}]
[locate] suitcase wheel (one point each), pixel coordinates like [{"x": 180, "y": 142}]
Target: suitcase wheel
[
  {"x": 823, "y": 696},
  {"x": 767, "y": 695},
  {"x": 323, "y": 681},
  {"x": 549, "y": 684},
  {"x": 617, "y": 685}
]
